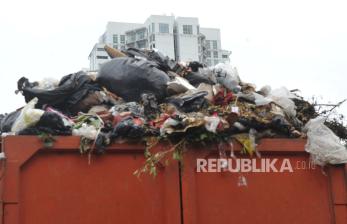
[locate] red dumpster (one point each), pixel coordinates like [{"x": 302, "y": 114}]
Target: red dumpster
[{"x": 58, "y": 185}]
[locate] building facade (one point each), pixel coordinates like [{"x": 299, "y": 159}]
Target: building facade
[{"x": 180, "y": 38}]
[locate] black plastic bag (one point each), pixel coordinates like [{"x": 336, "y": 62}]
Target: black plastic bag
[
  {"x": 129, "y": 78},
  {"x": 156, "y": 58},
  {"x": 196, "y": 78},
  {"x": 49, "y": 123},
  {"x": 133, "y": 107},
  {"x": 150, "y": 106},
  {"x": 127, "y": 128},
  {"x": 192, "y": 103},
  {"x": 8, "y": 120},
  {"x": 72, "y": 88},
  {"x": 195, "y": 65}
]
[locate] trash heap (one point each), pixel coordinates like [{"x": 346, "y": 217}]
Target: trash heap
[{"x": 141, "y": 95}]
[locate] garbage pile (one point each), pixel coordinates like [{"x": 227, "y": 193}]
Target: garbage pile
[{"x": 141, "y": 94}]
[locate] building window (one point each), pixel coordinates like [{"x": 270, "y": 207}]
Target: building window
[
  {"x": 214, "y": 43},
  {"x": 101, "y": 57},
  {"x": 208, "y": 45},
  {"x": 122, "y": 39},
  {"x": 215, "y": 62},
  {"x": 141, "y": 35},
  {"x": 141, "y": 45},
  {"x": 224, "y": 56},
  {"x": 215, "y": 54},
  {"x": 100, "y": 49},
  {"x": 208, "y": 62},
  {"x": 187, "y": 29},
  {"x": 197, "y": 29},
  {"x": 208, "y": 54},
  {"x": 115, "y": 46},
  {"x": 152, "y": 38},
  {"x": 163, "y": 28},
  {"x": 153, "y": 28},
  {"x": 115, "y": 38},
  {"x": 131, "y": 37},
  {"x": 122, "y": 47}
]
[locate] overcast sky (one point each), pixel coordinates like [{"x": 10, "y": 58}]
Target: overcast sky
[{"x": 298, "y": 44}]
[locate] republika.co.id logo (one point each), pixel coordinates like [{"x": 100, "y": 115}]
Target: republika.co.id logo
[{"x": 252, "y": 165}]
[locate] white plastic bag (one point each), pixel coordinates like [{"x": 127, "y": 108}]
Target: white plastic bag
[
  {"x": 29, "y": 116},
  {"x": 47, "y": 84},
  {"x": 212, "y": 123},
  {"x": 323, "y": 145},
  {"x": 167, "y": 126},
  {"x": 227, "y": 76},
  {"x": 179, "y": 85},
  {"x": 87, "y": 131},
  {"x": 282, "y": 96}
]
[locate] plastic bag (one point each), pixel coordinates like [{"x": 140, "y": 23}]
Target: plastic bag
[
  {"x": 72, "y": 88},
  {"x": 8, "y": 121},
  {"x": 190, "y": 102},
  {"x": 47, "y": 84},
  {"x": 196, "y": 78},
  {"x": 323, "y": 145},
  {"x": 179, "y": 85},
  {"x": 88, "y": 126},
  {"x": 87, "y": 131},
  {"x": 51, "y": 123},
  {"x": 28, "y": 116},
  {"x": 133, "y": 107},
  {"x": 282, "y": 97},
  {"x": 150, "y": 106},
  {"x": 129, "y": 127},
  {"x": 155, "y": 57},
  {"x": 212, "y": 123},
  {"x": 130, "y": 77},
  {"x": 227, "y": 76}
]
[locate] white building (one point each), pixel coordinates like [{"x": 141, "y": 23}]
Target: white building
[
  {"x": 161, "y": 34},
  {"x": 180, "y": 38}
]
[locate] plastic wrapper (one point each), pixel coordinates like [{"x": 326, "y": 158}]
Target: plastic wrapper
[{"x": 323, "y": 145}]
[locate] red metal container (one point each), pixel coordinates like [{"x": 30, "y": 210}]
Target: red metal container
[{"x": 58, "y": 185}]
